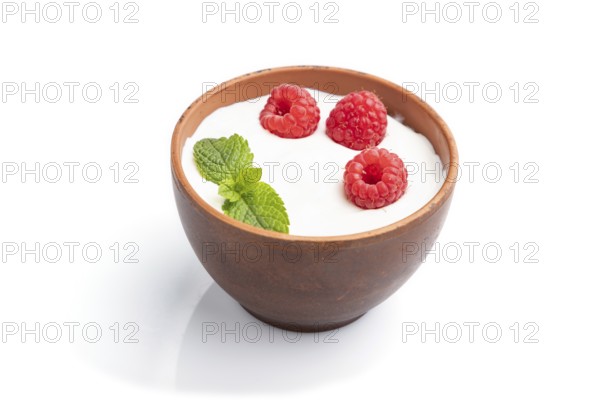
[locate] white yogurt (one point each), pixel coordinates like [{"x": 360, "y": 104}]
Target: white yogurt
[{"x": 308, "y": 173}]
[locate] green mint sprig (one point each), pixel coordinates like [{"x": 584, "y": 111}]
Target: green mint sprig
[{"x": 227, "y": 162}]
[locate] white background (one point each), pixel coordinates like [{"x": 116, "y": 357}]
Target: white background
[{"x": 170, "y": 54}]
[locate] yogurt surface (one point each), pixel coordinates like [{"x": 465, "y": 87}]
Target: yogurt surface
[{"x": 308, "y": 173}]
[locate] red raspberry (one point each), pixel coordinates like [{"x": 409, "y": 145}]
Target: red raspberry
[
  {"x": 375, "y": 178},
  {"x": 291, "y": 112},
  {"x": 358, "y": 121}
]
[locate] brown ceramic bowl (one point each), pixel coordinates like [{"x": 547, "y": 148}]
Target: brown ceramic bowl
[{"x": 311, "y": 283}]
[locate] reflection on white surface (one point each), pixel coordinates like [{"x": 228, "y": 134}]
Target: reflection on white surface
[
  {"x": 227, "y": 349},
  {"x": 194, "y": 337}
]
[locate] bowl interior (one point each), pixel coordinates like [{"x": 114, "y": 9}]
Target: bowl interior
[{"x": 399, "y": 102}]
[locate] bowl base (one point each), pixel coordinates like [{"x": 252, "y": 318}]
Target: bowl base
[{"x": 291, "y": 326}]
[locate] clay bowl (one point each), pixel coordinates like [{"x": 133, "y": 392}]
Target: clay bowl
[{"x": 277, "y": 277}]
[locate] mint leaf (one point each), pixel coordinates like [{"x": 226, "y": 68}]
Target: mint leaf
[
  {"x": 228, "y": 163},
  {"x": 245, "y": 182},
  {"x": 249, "y": 177},
  {"x": 227, "y": 190},
  {"x": 261, "y": 207},
  {"x": 221, "y": 159}
]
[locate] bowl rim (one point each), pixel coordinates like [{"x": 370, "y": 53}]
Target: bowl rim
[{"x": 397, "y": 227}]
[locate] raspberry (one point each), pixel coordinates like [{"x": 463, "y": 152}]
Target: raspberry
[
  {"x": 375, "y": 178},
  {"x": 358, "y": 121},
  {"x": 290, "y": 112}
]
